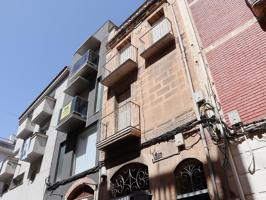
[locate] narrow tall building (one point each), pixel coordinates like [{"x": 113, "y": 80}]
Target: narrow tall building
[
  {"x": 152, "y": 97},
  {"x": 75, "y": 168}
]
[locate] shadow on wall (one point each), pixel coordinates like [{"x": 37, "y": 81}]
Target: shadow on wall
[
  {"x": 248, "y": 155},
  {"x": 189, "y": 177}
]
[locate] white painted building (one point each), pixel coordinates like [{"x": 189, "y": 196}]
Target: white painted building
[{"x": 26, "y": 172}]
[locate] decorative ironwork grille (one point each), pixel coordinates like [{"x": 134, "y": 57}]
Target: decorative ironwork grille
[
  {"x": 130, "y": 178},
  {"x": 190, "y": 176}
]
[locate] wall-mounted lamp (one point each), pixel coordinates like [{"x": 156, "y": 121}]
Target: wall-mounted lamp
[{"x": 103, "y": 174}]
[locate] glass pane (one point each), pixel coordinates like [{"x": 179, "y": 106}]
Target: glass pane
[
  {"x": 85, "y": 151},
  {"x": 59, "y": 170},
  {"x": 25, "y": 148},
  {"x": 99, "y": 96}
]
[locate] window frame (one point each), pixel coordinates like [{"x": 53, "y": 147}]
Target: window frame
[{"x": 62, "y": 145}]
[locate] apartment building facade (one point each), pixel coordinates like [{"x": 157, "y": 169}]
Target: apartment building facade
[
  {"x": 75, "y": 173},
  {"x": 27, "y": 170},
  {"x": 153, "y": 88},
  {"x": 135, "y": 116},
  {"x": 229, "y": 40},
  {"x": 6, "y": 151}
]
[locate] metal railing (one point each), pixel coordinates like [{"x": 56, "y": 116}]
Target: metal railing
[
  {"x": 89, "y": 57},
  {"x": 128, "y": 53},
  {"x": 124, "y": 117},
  {"x": 77, "y": 106},
  {"x": 155, "y": 33}
]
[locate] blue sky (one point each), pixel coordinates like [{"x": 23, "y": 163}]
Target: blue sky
[{"x": 38, "y": 38}]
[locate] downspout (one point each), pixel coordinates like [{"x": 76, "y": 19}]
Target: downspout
[
  {"x": 202, "y": 134},
  {"x": 203, "y": 61}
]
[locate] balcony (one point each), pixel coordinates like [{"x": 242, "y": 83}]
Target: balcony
[
  {"x": 35, "y": 149},
  {"x": 43, "y": 111},
  {"x": 73, "y": 116},
  {"x": 120, "y": 127},
  {"x": 76, "y": 86},
  {"x": 7, "y": 169},
  {"x": 120, "y": 66},
  {"x": 158, "y": 38},
  {"x": 86, "y": 65},
  {"x": 25, "y": 129}
]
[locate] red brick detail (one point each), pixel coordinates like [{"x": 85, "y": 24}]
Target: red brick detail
[
  {"x": 216, "y": 18},
  {"x": 239, "y": 71}
]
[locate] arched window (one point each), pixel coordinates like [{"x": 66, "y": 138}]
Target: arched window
[
  {"x": 190, "y": 180},
  {"x": 129, "y": 179},
  {"x": 81, "y": 192},
  {"x": 81, "y": 189}
]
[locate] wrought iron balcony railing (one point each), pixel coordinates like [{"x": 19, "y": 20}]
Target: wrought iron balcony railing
[
  {"x": 159, "y": 36},
  {"x": 123, "y": 123},
  {"x": 124, "y": 62}
]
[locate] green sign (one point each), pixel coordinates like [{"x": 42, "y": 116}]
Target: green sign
[{"x": 66, "y": 111}]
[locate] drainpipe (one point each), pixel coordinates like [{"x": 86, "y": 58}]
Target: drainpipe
[
  {"x": 203, "y": 61},
  {"x": 202, "y": 134}
]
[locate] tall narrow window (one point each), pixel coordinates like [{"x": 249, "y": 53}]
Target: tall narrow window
[
  {"x": 85, "y": 154},
  {"x": 123, "y": 110},
  {"x": 99, "y": 91},
  {"x": 24, "y": 149},
  {"x": 60, "y": 160}
]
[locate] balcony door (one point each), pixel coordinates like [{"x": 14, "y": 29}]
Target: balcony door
[
  {"x": 123, "y": 110},
  {"x": 160, "y": 29},
  {"x": 125, "y": 53},
  {"x": 25, "y": 148}
]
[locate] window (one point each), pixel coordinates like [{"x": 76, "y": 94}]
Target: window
[
  {"x": 191, "y": 183},
  {"x": 99, "y": 91},
  {"x": 60, "y": 160},
  {"x": 24, "y": 149},
  {"x": 131, "y": 178},
  {"x": 123, "y": 110},
  {"x": 85, "y": 153}
]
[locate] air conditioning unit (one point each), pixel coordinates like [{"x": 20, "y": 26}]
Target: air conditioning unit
[
  {"x": 179, "y": 140},
  {"x": 234, "y": 117}
]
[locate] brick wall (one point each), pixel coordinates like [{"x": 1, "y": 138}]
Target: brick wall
[
  {"x": 237, "y": 65},
  {"x": 216, "y": 18},
  {"x": 238, "y": 69}
]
